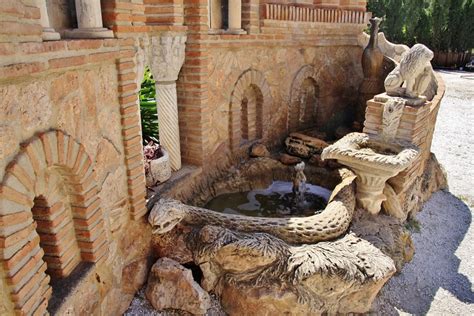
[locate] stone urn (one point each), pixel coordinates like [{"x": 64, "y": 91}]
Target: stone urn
[{"x": 159, "y": 170}]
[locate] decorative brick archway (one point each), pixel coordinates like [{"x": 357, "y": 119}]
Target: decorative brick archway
[
  {"x": 305, "y": 76},
  {"x": 36, "y": 224},
  {"x": 251, "y": 94}
]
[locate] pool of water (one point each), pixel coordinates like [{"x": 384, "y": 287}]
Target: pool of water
[{"x": 277, "y": 200}]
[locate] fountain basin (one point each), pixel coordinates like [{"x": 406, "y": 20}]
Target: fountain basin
[{"x": 374, "y": 162}]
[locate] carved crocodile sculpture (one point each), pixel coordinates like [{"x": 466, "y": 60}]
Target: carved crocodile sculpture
[{"x": 331, "y": 223}]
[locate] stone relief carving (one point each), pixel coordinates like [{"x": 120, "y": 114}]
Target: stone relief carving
[
  {"x": 392, "y": 112},
  {"x": 414, "y": 71},
  {"x": 167, "y": 56}
]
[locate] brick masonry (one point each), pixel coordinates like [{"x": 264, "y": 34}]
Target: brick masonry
[
  {"x": 72, "y": 184},
  {"x": 416, "y": 126}
]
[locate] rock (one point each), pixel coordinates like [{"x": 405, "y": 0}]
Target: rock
[
  {"x": 304, "y": 146},
  {"x": 170, "y": 285},
  {"x": 289, "y": 160},
  {"x": 134, "y": 276},
  {"x": 317, "y": 161},
  {"x": 259, "y": 150}
]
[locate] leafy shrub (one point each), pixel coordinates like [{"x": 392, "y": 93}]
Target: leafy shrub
[{"x": 148, "y": 110}]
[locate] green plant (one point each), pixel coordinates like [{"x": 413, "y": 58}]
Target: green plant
[
  {"x": 148, "y": 109},
  {"x": 444, "y": 25}
]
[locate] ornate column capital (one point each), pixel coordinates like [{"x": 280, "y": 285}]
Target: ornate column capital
[{"x": 167, "y": 57}]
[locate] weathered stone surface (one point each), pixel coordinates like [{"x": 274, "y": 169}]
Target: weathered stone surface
[
  {"x": 173, "y": 245},
  {"x": 134, "y": 276},
  {"x": 387, "y": 234},
  {"x": 415, "y": 71},
  {"x": 289, "y": 160},
  {"x": 304, "y": 146},
  {"x": 258, "y": 274},
  {"x": 259, "y": 150},
  {"x": 170, "y": 285}
]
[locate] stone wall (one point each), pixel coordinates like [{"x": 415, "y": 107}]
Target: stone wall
[
  {"x": 275, "y": 62},
  {"x": 65, "y": 194}
]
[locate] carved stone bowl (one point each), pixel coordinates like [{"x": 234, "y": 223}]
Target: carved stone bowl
[{"x": 373, "y": 161}]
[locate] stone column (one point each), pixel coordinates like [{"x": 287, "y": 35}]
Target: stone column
[
  {"x": 235, "y": 16},
  {"x": 216, "y": 14},
  {"x": 167, "y": 58},
  {"x": 89, "y": 21},
  {"x": 49, "y": 34}
]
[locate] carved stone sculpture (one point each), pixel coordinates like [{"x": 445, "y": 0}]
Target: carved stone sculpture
[
  {"x": 374, "y": 162},
  {"x": 331, "y": 223},
  {"x": 414, "y": 70},
  {"x": 372, "y": 59},
  {"x": 258, "y": 274}
]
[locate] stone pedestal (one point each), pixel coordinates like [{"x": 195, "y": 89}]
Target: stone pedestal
[
  {"x": 89, "y": 21},
  {"x": 49, "y": 34},
  {"x": 413, "y": 127}
]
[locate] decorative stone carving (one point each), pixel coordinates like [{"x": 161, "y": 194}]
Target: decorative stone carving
[
  {"x": 414, "y": 70},
  {"x": 170, "y": 285},
  {"x": 258, "y": 274},
  {"x": 372, "y": 57},
  {"x": 392, "y": 112},
  {"x": 166, "y": 57},
  {"x": 374, "y": 161},
  {"x": 332, "y": 222},
  {"x": 159, "y": 170}
]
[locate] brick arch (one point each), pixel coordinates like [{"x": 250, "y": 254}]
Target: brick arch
[
  {"x": 297, "y": 86},
  {"x": 33, "y": 227},
  {"x": 250, "y": 81}
]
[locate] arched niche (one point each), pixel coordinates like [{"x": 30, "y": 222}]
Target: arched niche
[
  {"x": 304, "y": 100},
  {"x": 50, "y": 218},
  {"x": 249, "y": 108}
]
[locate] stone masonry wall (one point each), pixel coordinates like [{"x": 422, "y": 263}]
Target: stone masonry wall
[
  {"x": 66, "y": 171},
  {"x": 276, "y": 62}
]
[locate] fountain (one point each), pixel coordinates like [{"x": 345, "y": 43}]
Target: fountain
[{"x": 374, "y": 161}]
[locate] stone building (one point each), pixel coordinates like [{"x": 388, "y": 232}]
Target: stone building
[{"x": 229, "y": 73}]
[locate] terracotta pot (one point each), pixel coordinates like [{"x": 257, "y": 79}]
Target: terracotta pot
[{"x": 159, "y": 171}]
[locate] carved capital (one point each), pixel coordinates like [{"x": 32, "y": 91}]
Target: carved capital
[{"x": 167, "y": 56}]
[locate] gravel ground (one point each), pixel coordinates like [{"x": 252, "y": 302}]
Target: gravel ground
[{"x": 439, "y": 280}]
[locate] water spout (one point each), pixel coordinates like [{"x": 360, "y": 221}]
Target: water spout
[{"x": 299, "y": 185}]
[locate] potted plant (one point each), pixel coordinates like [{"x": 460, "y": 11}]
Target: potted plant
[{"x": 157, "y": 166}]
